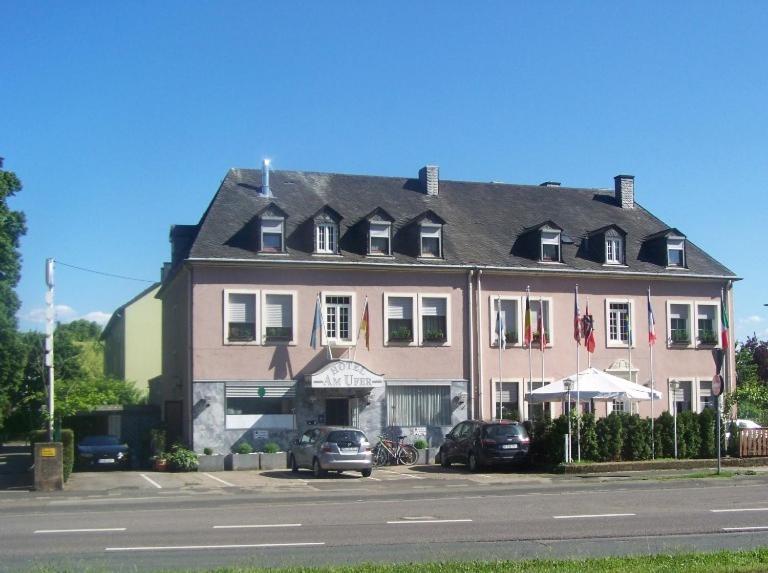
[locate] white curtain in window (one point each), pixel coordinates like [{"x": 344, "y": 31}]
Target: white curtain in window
[
  {"x": 400, "y": 307},
  {"x": 550, "y": 238},
  {"x": 278, "y": 311},
  {"x": 380, "y": 230},
  {"x": 509, "y": 392},
  {"x": 432, "y": 231},
  {"x": 419, "y": 405},
  {"x": 241, "y": 308},
  {"x": 678, "y": 311},
  {"x": 272, "y": 225},
  {"x": 433, "y": 307}
]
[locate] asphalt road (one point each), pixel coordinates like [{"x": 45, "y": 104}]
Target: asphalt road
[{"x": 350, "y": 519}]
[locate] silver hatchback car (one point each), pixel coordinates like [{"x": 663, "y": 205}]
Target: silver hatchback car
[{"x": 332, "y": 448}]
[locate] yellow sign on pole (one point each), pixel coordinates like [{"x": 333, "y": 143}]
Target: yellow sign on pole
[{"x": 48, "y": 452}]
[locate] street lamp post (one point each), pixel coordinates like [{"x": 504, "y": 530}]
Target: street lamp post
[
  {"x": 568, "y": 384},
  {"x": 673, "y": 387}
]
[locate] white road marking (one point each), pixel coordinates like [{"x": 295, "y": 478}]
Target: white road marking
[
  {"x": 257, "y": 525},
  {"x": 756, "y": 528},
  {"x": 153, "y": 482},
  {"x": 737, "y": 510},
  {"x": 188, "y": 547},
  {"x": 220, "y": 480},
  {"x": 429, "y": 521},
  {"x": 595, "y": 515},
  {"x": 106, "y": 529},
  {"x": 373, "y": 478}
]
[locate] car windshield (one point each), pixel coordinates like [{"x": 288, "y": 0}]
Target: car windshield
[
  {"x": 497, "y": 431},
  {"x": 100, "y": 441},
  {"x": 346, "y": 438}
]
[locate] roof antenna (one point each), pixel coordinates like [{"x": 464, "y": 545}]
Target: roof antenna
[{"x": 265, "y": 190}]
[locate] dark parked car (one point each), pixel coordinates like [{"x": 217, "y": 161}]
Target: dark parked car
[
  {"x": 479, "y": 444},
  {"x": 102, "y": 451},
  {"x": 332, "y": 448}
]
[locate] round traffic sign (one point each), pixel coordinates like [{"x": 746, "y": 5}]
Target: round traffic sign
[{"x": 717, "y": 385}]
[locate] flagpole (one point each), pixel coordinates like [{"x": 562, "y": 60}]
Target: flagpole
[
  {"x": 578, "y": 393},
  {"x": 653, "y": 436}
]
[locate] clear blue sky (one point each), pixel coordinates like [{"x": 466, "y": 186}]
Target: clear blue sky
[{"x": 122, "y": 118}]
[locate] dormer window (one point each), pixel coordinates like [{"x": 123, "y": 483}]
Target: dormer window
[
  {"x": 614, "y": 249},
  {"x": 380, "y": 238},
  {"x": 550, "y": 245},
  {"x": 675, "y": 252},
  {"x": 272, "y": 233},
  {"x": 326, "y": 238},
  {"x": 431, "y": 237}
]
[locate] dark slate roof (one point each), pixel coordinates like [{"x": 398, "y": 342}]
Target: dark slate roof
[{"x": 483, "y": 221}]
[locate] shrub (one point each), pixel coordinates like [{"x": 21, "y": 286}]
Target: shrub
[
  {"x": 207, "y": 451},
  {"x": 707, "y": 430},
  {"x": 664, "y": 435},
  {"x": 610, "y": 436},
  {"x": 589, "y": 449},
  {"x": 180, "y": 459},
  {"x": 157, "y": 439},
  {"x": 688, "y": 436},
  {"x": 420, "y": 444},
  {"x": 271, "y": 448},
  {"x": 637, "y": 437},
  {"x": 243, "y": 448}
]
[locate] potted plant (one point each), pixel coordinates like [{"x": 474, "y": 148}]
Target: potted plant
[
  {"x": 511, "y": 337},
  {"x": 707, "y": 337},
  {"x": 244, "y": 458},
  {"x": 680, "y": 337},
  {"x": 401, "y": 334},
  {"x": 180, "y": 459},
  {"x": 157, "y": 440},
  {"x": 422, "y": 446},
  {"x": 435, "y": 335},
  {"x": 272, "y": 458},
  {"x": 210, "y": 462}
]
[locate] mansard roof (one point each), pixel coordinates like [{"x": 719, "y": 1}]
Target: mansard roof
[{"x": 484, "y": 220}]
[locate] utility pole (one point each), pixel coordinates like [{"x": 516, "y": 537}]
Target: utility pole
[{"x": 49, "y": 326}]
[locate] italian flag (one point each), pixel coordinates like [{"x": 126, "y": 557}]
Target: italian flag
[{"x": 724, "y": 324}]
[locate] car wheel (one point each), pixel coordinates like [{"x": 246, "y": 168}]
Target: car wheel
[
  {"x": 444, "y": 460},
  {"x": 317, "y": 469},
  {"x": 472, "y": 462},
  {"x": 294, "y": 465},
  {"x": 366, "y": 473}
]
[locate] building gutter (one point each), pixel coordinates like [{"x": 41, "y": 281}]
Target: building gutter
[{"x": 462, "y": 267}]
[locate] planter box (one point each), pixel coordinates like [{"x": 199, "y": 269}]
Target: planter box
[
  {"x": 160, "y": 465},
  {"x": 278, "y": 461},
  {"x": 213, "y": 463},
  {"x": 425, "y": 456},
  {"x": 244, "y": 461}
]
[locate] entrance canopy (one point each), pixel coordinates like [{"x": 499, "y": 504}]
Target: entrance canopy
[
  {"x": 593, "y": 384},
  {"x": 345, "y": 374}
]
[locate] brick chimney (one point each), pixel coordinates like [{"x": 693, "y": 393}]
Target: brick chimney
[
  {"x": 428, "y": 176},
  {"x": 624, "y": 186}
]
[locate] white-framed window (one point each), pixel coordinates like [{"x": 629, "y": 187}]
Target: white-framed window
[
  {"x": 431, "y": 240},
  {"x": 326, "y": 238},
  {"x": 272, "y": 234},
  {"x": 419, "y": 405},
  {"x": 510, "y": 310},
  {"x": 675, "y": 252},
  {"x": 279, "y": 317},
  {"x": 619, "y": 406},
  {"x": 380, "y": 238},
  {"x": 400, "y": 328},
  {"x": 707, "y": 324},
  {"x": 614, "y": 249},
  {"x": 507, "y": 399},
  {"x": 619, "y": 323},
  {"x": 679, "y": 323},
  {"x": 706, "y": 399},
  {"x": 550, "y": 246},
  {"x": 264, "y": 404},
  {"x": 435, "y": 319},
  {"x": 339, "y": 313},
  {"x": 681, "y": 400},
  {"x": 241, "y": 312},
  {"x": 538, "y": 410},
  {"x": 545, "y": 306}
]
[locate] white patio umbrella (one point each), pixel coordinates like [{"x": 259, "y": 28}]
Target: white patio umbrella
[{"x": 594, "y": 384}]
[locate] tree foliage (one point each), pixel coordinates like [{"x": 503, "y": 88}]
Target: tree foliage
[
  {"x": 12, "y": 228},
  {"x": 751, "y": 393}
]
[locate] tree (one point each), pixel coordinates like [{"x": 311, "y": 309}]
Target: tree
[{"x": 12, "y": 228}]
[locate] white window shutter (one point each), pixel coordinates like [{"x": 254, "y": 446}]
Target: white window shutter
[
  {"x": 241, "y": 308},
  {"x": 400, "y": 308},
  {"x": 278, "y": 311},
  {"x": 433, "y": 307}
]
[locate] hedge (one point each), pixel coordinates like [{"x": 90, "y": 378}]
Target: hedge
[
  {"x": 68, "y": 447},
  {"x": 627, "y": 437}
]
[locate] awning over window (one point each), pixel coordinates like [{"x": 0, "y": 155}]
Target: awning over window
[{"x": 259, "y": 390}]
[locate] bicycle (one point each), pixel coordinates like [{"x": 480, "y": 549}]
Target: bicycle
[{"x": 389, "y": 451}]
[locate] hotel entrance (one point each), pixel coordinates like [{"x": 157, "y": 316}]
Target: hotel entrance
[{"x": 337, "y": 412}]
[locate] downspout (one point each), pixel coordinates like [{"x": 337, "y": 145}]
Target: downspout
[
  {"x": 190, "y": 359},
  {"x": 471, "y": 338},
  {"x": 481, "y": 380}
]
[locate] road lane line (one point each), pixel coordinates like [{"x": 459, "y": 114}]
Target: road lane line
[
  {"x": 192, "y": 547},
  {"x": 737, "y": 510},
  {"x": 429, "y": 521},
  {"x": 755, "y": 528},
  {"x": 220, "y": 480},
  {"x": 257, "y": 525},
  {"x": 106, "y": 529},
  {"x": 153, "y": 482},
  {"x": 593, "y": 515}
]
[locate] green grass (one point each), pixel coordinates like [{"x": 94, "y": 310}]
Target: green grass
[
  {"x": 752, "y": 561},
  {"x": 703, "y": 474}
]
